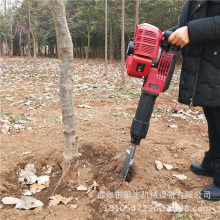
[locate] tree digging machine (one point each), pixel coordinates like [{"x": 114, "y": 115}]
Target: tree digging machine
[{"x": 148, "y": 58}]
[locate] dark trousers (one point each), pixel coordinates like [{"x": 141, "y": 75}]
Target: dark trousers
[{"x": 213, "y": 118}]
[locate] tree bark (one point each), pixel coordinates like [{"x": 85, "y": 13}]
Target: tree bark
[
  {"x": 88, "y": 47},
  {"x": 31, "y": 30},
  {"x": 137, "y": 13},
  {"x": 11, "y": 41},
  {"x": 28, "y": 44},
  {"x": 106, "y": 37},
  {"x": 70, "y": 148},
  {"x": 122, "y": 41},
  {"x": 111, "y": 44},
  {"x": 76, "y": 49},
  {"x": 83, "y": 48},
  {"x": 20, "y": 46}
]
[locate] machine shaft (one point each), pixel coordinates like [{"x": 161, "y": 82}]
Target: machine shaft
[
  {"x": 141, "y": 121},
  {"x": 139, "y": 128}
]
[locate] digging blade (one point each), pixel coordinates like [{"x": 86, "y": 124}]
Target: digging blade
[{"x": 128, "y": 161}]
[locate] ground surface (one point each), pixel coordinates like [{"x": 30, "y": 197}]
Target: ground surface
[{"x": 30, "y": 103}]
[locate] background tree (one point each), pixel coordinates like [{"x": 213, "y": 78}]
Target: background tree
[
  {"x": 4, "y": 34},
  {"x": 106, "y": 37},
  {"x": 122, "y": 41},
  {"x": 86, "y": 21},
  {"x": 137, "y": 13},
  {"x": 31, "y": 30}
]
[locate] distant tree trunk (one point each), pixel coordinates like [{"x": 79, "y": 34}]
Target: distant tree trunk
[
  {"x": 70, "y": 148},
  {"x": 82, "y": 48},
  {"x": 76, "y": 49},
  {"x": 122, "y": 41},
  {"x": 28, "y": 44},
  {"x": 12, "y": 48},
  {"x": 39, "y": 50},
  {"x": 6, "y": 48},
  {"x": 20, "y": 46},
  {"x": 31, "y": 30},
  {"x": 112, "y": 41},
  {"x": 137, "y": 13},
  {"x": 11, "y": 22},
  {"x": 88, "y": 47},
  {"x": 106, "y": 37}
]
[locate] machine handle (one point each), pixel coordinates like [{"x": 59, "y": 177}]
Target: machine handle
[
  {"x": 167, "y": 35},
  {"x": 142, "y": 117},
  {"x": 168, "y": 46}
]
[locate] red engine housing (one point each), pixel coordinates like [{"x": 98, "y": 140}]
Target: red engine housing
[{"x": 147, "y": 40}]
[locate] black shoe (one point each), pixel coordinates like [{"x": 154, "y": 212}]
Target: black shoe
[
  {"x": 206, "y": 168},
  {"x": 211, "y": 193},
  {"x": 199, "y": 169}
]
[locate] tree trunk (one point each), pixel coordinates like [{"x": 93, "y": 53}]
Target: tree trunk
[
  {"x": 11, "y": 32},
  {"x": 1, "y": 48},
  {"x": 106, "y": 38},
  {"x": 76, "y": 49},
  {"x": 12, "y": 48},
  {"x": 88, "y": 47},
  {"x": 6, "y": 48},
  {"x": 70, "y": 148},
  {"x": 82, "y": 48},
  {"x": 31, "y": 31},
  {"x": 137, "y": 13},
  {"x": 39, "y": 50},
  {"x": 28, "y": 44},
  {"x": 20, "y": 46},
  {"x": 122, "y": 41},
  {"x": 45, "y": 50},
  {"x": 111, "y": 43}
]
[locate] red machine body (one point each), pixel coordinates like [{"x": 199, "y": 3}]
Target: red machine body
[{"x": 149, "y": 59}]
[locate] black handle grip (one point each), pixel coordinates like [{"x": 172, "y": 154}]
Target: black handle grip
[
  {"x": 167, "y": 34},
  {"x": 142, "y": 117}
]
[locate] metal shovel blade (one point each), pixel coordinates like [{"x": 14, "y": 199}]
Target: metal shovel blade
[{"x": 128, "y": 161}]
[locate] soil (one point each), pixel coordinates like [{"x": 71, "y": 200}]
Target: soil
[{"x": 177, "y": 136}]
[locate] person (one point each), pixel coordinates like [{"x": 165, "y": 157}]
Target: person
[{"x": 198, "y": 35}]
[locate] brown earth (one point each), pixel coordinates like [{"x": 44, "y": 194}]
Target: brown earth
[{"x": 29, "y": 98}]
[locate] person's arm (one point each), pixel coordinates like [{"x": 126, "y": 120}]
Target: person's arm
[{"x": 205, "y": 29}]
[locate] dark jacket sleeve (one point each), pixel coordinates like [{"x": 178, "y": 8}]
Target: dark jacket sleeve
[
  {"x": 205, "y": 29},
  {"x": 173, "y": 28}
]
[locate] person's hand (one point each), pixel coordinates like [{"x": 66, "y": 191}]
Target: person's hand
[{"x": 180, "y": 37}]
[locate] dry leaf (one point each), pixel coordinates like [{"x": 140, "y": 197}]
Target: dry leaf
[
  {"x": 66, "y": 200},
  {"x": 55, "y": 200},
  {"x": 43, "y": 186}
]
